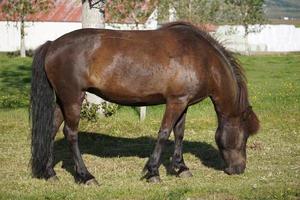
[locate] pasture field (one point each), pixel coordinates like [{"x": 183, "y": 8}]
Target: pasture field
[{"x": 115, "y": 149}]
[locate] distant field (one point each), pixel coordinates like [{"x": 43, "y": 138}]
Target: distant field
[
  {"x": 276, "y": 9},
  {"x": 295, "y": 22},
  {"x": 115, "y": 149}
]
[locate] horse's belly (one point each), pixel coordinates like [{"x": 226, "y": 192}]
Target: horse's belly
[
  {"x": 124, "y": 97},
  {"x": 131, "y": 81},
  {"x": 130, "y": 85}
]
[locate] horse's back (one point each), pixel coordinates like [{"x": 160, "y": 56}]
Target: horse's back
[{"x": 128, "y": 67}]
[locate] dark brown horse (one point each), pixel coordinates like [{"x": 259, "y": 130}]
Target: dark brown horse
[{"x": 177, "y": 65}]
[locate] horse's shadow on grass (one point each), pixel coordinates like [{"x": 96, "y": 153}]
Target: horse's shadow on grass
[{"x": 103, "y": 145}]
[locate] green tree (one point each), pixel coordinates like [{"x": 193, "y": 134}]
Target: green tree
[
  {"x": 20, "y": 10},
  {"x": 242, "y": 12},
  {"x": 196, "y": 11},
  {"x": 245, "y": 12},
  {"x": 130, "y": 11}
]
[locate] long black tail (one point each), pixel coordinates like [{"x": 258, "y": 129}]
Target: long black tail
[{"x": 42, "y": 114}]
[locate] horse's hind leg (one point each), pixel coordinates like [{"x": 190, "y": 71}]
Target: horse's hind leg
[
  {"x": 177, "y": 160},
  {"x": 58, "y": 119},
  {"x": 72, "y": 116},
  {"x": 174, "y": 110}
]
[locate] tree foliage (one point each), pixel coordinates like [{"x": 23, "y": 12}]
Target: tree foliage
[
  {"x": 130, "y": 11},
  {"x": 245, "y": 12},
  {"x": 242, "y": 12},
  {"x": 19, "y": 10},
  {"x": 197, "y": 11}
]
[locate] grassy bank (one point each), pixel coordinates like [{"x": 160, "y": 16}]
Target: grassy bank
[{"x": 115, "y": 149}]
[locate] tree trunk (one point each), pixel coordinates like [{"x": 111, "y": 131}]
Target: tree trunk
[
  {"x": 190, "y": 10},
  {"x": 172, "y": 13},
  {"x": 92, "y": 15},
  {"x": 22, "y": 44}
]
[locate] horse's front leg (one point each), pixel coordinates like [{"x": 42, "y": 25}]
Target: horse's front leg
[
  {"x": 177, "y": 160},
  {"x": 174, "y": 110}
]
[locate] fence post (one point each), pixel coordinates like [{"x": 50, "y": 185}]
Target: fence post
[{"x": 142, "y": 113}]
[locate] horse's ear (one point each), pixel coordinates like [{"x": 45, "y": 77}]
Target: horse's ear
[{"x": 251, "y": 122}]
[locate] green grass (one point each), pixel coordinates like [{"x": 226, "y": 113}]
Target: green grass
[
  {"x": 115, "y": 149},
  {"x": 14, "y": 81}
]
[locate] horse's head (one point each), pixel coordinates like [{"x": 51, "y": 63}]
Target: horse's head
[{"x": 231, "y": 138}]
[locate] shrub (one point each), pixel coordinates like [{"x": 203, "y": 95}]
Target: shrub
[
  {"x": 108, "y": 109},
  {"x": 91, "y": 111}
]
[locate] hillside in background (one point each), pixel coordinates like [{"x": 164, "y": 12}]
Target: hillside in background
[{"x": 278, "y": 9}]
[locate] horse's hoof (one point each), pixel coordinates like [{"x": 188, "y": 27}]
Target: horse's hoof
[
  {"x": 185, "y": 174},
  {"x": 53, "y": 179},
  {"x": 154, "y": 179},
  {"x": 91, "y": 182}
]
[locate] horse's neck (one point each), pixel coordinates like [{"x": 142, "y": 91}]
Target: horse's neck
[
  {"x": 224, "y": 103},
  {"x": 230, "y": 103}
]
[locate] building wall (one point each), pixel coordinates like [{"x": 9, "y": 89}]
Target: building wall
[
  {"x": 36, "y": 33},
  {"x": 39, "y": 32},
  {"x": 272, "y": 38},
  {"x": 269, "y": 38}
]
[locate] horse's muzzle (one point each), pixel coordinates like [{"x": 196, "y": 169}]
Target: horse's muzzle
[{"x": 236, "y": 169}]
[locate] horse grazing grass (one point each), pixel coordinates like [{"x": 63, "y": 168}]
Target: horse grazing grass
[{"x": 177, "y": 65}]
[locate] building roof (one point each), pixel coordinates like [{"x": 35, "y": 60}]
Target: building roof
[
  {"x": 62, "y": 11},
  {"x": 66, "y": 11}
]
